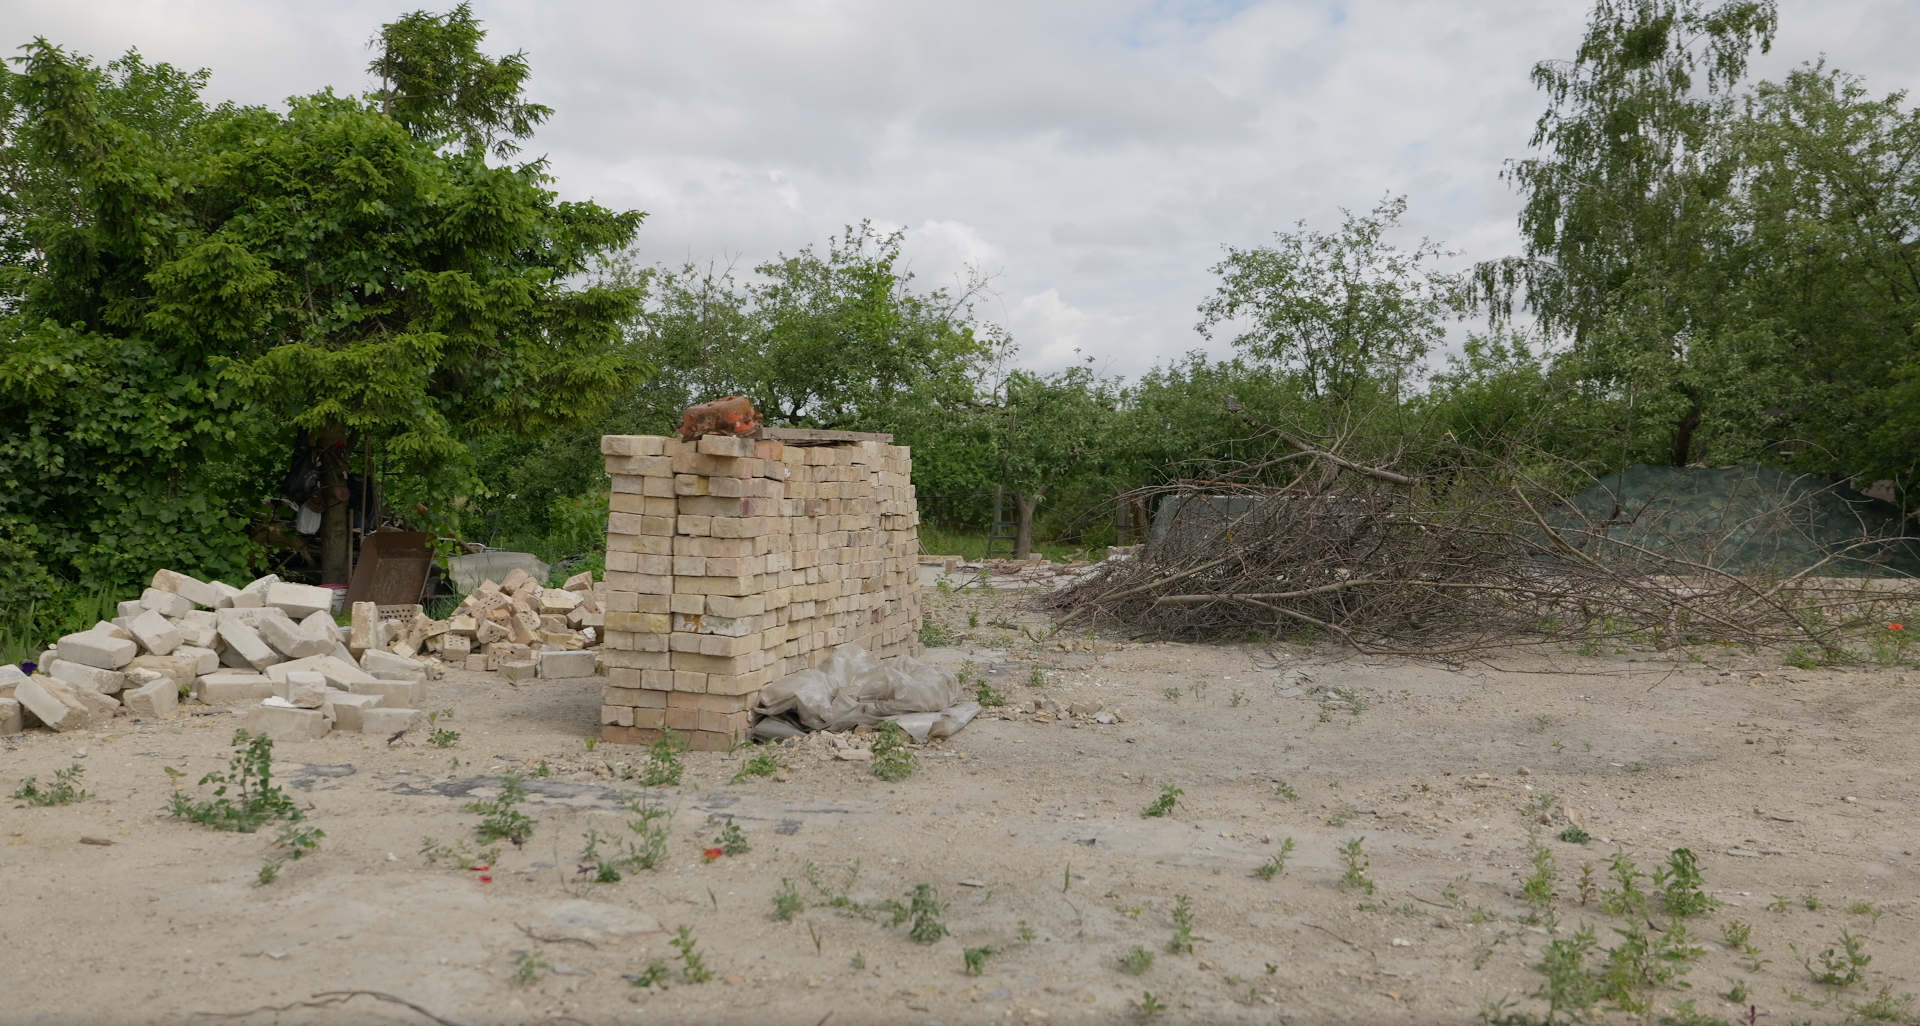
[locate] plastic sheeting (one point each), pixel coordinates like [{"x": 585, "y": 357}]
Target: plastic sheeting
[{"x": 852, "y": 687}]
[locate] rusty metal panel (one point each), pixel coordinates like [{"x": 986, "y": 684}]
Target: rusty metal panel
[{"x": 393, "y": 568}]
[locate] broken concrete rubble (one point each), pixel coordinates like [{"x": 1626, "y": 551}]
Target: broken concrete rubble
[
  {"x": 56, "y": 703},
  {"x": 157, "y": 699},
  {"x": 98, "y": 648},
  {"x": 348, "y": 710},
  {"x": 285, "y": 723},
  {"x": 305, "y": 690},
  {"x": 298, "y": 601},
  {"x": 383, "y": 720},
  {"x": 106, "y": 682}
]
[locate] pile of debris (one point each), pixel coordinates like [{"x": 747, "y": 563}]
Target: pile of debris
[{"x": 521, "y": 629}]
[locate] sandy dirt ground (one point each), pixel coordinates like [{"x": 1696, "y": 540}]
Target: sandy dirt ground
[{"x": 1794, "y": 788}]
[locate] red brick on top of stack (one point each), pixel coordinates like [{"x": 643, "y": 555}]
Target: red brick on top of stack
[{"x": 732, "y": 562}]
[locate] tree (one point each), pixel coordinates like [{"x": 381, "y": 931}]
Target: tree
[
  {"x": 1048, "y": 428},
  {"x": 1625, "y": 217},
  {"x": 1338, "y": 310},
  {"x": 436, "y": 82},
  {"x": 229, "y": 275}
]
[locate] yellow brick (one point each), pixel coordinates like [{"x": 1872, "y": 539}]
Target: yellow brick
[{"x": 639, "y": 623}]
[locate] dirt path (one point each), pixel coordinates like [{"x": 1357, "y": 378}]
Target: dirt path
[{"x": 1784, "y": 782}]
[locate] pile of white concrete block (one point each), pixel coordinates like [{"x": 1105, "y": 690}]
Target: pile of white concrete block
[
  {"x": 524, "y": 630},
  {"x": 185, "y": 639}
]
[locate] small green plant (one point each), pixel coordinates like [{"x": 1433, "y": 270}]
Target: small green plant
[
  {"x": 1862, "y": 907},
  {"x": 1569, "y": 989},
  {"x": 663, "y": 767},
  {"x": 1357, "y": 864},
  {"x": 693, "y": 965},
  {"x": 441, "y": 737},
  {"x": 591, "y": 742},
  {"x": 300, "y": 841},
  {"x": 893, "y": 761},
  {"x": 528, "y": 969},
  {"x": 1026, "y": 933},
  {"x": 1150, "y": 1004},
  {"x": 543, "y": 771},
  {"x": 655, "y": 974},
  {"x": 1036, "y": 678},
  {"x": 459, "y": 855},
  {"x": 1589, "y": 888},
  {"x": 603, "y": 868},
  {"x": 1234, "y": 700},
  {"x": 1285, "y": 790},
  {"x": 1682, "y": 890},
  {"x": 1575, "y": 835},
  {"x": 973, "y": 621},
  {"x": 1810, "y": 901},
  {"x": 934, "y": 634},
  {"x": 1173, "y": 694},
  {"x": 269, "y": 872},
  {"x": 858, "y": 961},
  {"x": 976, "y": 959},
  {"x": 1737, "y": 992},
  {"x": 1885, "y": 1007},
  {"x": 1841, "y": 966},
  {"x": 787, "y": 901},
  {"x": 763, "y": 764},
  {"x": 651, "y": 826},
  {"x": 1801, "y": 659},
  {"x": 925, "y": 912},
  {"x": 730, "y": 841},
  {"x": 1137, "y": 960},
  {"x": 1341, "y": 817},
  {"x": 1182, "y": 942},
  {"x": 1163, "y": 805},
  {"x": 1276, "y": 865},
  {"x": 1624, "y": 898},
  {"x": 255, "y": 802},
  {"x": 1537, "y": 888},
  {"x": 500, "y": 820},
  {"x": 988, "y": 696},
  {"x": 61, "y": 792}
]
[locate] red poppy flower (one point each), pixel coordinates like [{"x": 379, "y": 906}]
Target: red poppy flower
[
  {"x": 486, "y": 878},
  {"x": 479, "y": 869},
  {"x": 712, "y": 853},
  {"x": 1896, "y": 627}
]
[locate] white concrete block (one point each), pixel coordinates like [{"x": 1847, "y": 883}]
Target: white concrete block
[
  {"x": 207, "y": 660},
  {"x": 192, "y": 589},
  {"x": 247, "y": 642},
  {"x": 284, "y": 724},
  {"x": 566, "y": 664},
  {"x": 97, "y": 648},
  {"x": 166, "y": 603},
  {"x": 233, "y": 688},
  {"x": 291, "y": 640},
  {"x": 55, "y": 703},
  {"x": 223, "y": 594},
  {"x": 347, "y": 710},
  {"x": 252, "y": 616},
  {"x": 154, "y": 633},
  {"x": 11, "y": 675},
  {"x": 299, "y": 601},
  {"x": 387, "y": 666},
  {"x": 305, "y": 689},
  {"x": 130, "y": 607},
  {"x": 93, "y": 678},
  {"x": 340, "y": 673},
  {"x": 407, "y": 693},
  {"x": 12, "y": 716},
  {"x": 157, "y": 700},
  {"x": 388, "y": 722},
  {"x": 259, "y": 586},
  {"x": 183, "y": 669}
]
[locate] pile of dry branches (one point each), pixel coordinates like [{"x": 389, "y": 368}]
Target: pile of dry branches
[{"x": 1398, "y": 557}]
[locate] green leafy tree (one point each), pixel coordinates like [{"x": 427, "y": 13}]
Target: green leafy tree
[
  {"x": 436, "y": 82},
  {"x": 1046, "y": 430},
  {"x": 187, "y": 285}
]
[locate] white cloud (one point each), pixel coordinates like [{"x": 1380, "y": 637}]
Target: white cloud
[{"x": 1094, "y": 154}]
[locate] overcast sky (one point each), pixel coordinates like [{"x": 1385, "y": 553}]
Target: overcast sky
[{"x": 1094, "y": 156}]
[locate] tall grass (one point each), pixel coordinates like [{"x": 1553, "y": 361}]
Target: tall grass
[{"x": 27, "y": 629}]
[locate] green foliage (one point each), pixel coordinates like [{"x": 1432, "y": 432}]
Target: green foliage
[
  {"x": 693, "y": 966},
  {"x": 1285, "y": 790},
  {"x": 435, "y": 81},
  {"x": 1355, "y": 859},
  {"x": 500, "y": 817},
  {"x": 269, "y": 872},
  {"x": 1680, "y": 885},
  {"x": 1182, "y": 942},
  {"x": 1568, "y": 989},
  {"x": 1136, "y": 961},
  {"x": 976, "y": 959},
  {"x": 1538, "y": 886},
  {"x": 787, "y": 901},
  {"x": 1841, "y": 966},
  {"x": 528, "y": 968},
  {"x": 441, "y": 737},
  {"x": 731, "y": 841},
  {"x": 1624, "y": 898},
  {"x": 61, "y": 792},
  {"x": 892, "y": 760},
  {"x": 255, "y": 801},
  {"x": 1151, "y": 1005},
  {"x": 925, "y": 912},
  {"x": 934, "y": 634},
  {"x": 663, "y": 768},
  {"x": 1575, "y": 835},
  {"x": 1163, "y": 805},
  {"x": 655, "y": 974},
  {"x": 300, "y": 841},
  {"x": 1277, "y": 864},
  {"x": 459, "y": 854},
  {"x": 764, "y": 763}
]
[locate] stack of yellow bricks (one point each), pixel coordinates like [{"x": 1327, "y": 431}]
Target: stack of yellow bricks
[{"x": 732, "y": 562}]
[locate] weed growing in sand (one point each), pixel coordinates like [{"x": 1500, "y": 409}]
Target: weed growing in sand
[
  {"x": 61, "y": 792},
  {"x": 1739, "y": 936},
  {"x": 500, "y": 819},
  {"x": 693, "y": 965},
  {"x": 893, "y": 761},
  {"x": 459, "y": 855},
  {"x": 1276, "y": 865},
  {"x": 1182, "y": 942},
  {"x": 663, "y": 767},
  {"x": 1163, "y": 805},
  {"x": 256, "y": 801},
  {"x": 1036, "y": 678},
  {"x": 731, "y": 841},
  {"x": 1173, "y": 694},
  {"x": 1537, "y": 888},
  {"x": 925, "y": 912},
  {"x": 1624, "y": 898},
  {"x": 763, "y": 764},
  {"x": 1357, "y": 864},
  {"x": 651, "y": 825},
  {"x": 787, "y": 901},
  {"x": 1841, "y": 966},
  {"x": 1285, "y": 790},
  {"x": 976, "y": 959},
  {"x": 1575, "y": 835},
  {"x": 528, "y": 969},
  {"x": 1150, "y": 1004},
  {"x": 1137, "y": 960},
  {"x": 655, "y": 974},
  {"x": 1681, "y": 887},
  {"x": 603, "y": 868},
  {"x": 441, "y": 737}
]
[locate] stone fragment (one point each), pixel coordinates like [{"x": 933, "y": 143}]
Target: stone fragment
[
  {"x": 93, "y": 678},
  {"x": 582, "y": 581},
  {"x": 207, "y": 660},
  {"x": 515, "y": 581},
  {"x": 98, "y": 648},
  {"x": 520, "y": 669},
  {"x": 129, "y": 607},
  {"x": 165, "y": 603},
  {"x": 299, "y": 601},
  {"x": 566, "y": 664},
  {"x": 291, "y": 640},
  {"x": 287, "y": 724},
  {"x": 348, "y": 710},
  {"x": 387, "y": 666},
  {"x": 394, "y": 692},
  {"x": 156, "y": 700},
  {"x": 11, "y": 676},
  {"x": 12, "y": 716},
  {"x": 233, "y": 688},
  {"x": 180, "y": 669},
  {"x": 223, "y": 594},
  {"x": 246, "y": 642},
  {"x": 304, "y": 689},
  {"x": 55, "y": 703},
  {"x": 193, "y": 590},
  {"x": 251, "y": 616},
  {"x": 154, "y": 633},
  {"x": 387, "y": 722},
  {"x": 555, "y": 600},
  {"x": 100, "y": 707},
  {"x": 455, "y": 646},
  {"x": 360, "y": 636}
]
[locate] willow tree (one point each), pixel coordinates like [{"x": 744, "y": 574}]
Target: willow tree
[{"x": 187, "y": 285}]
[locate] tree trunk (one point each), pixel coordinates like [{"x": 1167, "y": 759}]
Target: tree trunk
[
  {"x": 1683, "y": 436},
  {"x": 336, "y": 518},
  {"x": 1023, "y": 538}
]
